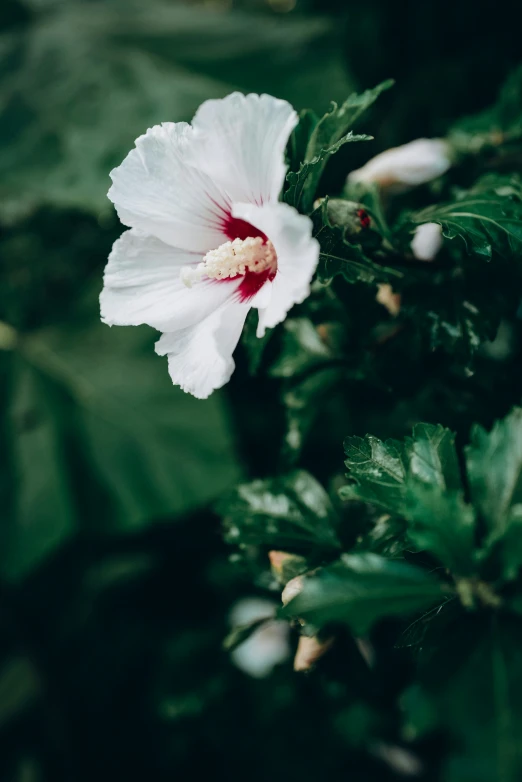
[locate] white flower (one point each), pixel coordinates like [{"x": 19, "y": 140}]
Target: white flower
[
  {"x": 268, "y": 646},
  {"x": 209, "y": 238},
  {"x": 427, "y": 241},
  {"x": 411, "y": 164}
]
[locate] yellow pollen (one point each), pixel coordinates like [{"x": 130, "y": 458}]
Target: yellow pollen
[{"x": 232, "y": 259}]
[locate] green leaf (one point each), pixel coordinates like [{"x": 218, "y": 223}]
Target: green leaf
[
  {"x": 302, "y": 348},
  {"x": 474, "y": 682},
  {"x": 360, "y": 589},
  {"x": 379, "y": 471},
  {"x": 303, "y": 183},
  {"x": 331, "y": 128},
  {"x": 443, "y": 524},
  {"x": 130, "y": 66},
  {"x": 292, "y": 511},
  {"x": 43, "y": 511},
  {"x": 93, "y": 407},
  {"x": 433, "y": 457},
  {"x": 494, "y": 465},
  {"x": 496, "y": 126},
  {"x": 487, "y": 218},
  {"x": 339, "y": 255}
]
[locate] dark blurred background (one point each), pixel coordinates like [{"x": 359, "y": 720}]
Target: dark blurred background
[{"x": 115, "y": 586}]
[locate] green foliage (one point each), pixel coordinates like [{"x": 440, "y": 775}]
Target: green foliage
[
  {"x": 95, "y": 77},
  {"x": 494, "y": 463},
  {"x": 360, "y": 589},
  {"x": 487, "y": 218},
  {"x": 291, "y": 511},
  {"x": 325, "y": 137},
  {"x": 98, "y": 403}
]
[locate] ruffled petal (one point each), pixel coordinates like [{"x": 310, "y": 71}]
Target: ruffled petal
[
  {"x": 297, "y": 257},
  {"x": 241, "y": 144},
  {"x": 156, "y": 190},
  {"x": 142, "y": 285},
  {"x": 200, "y": 356}
]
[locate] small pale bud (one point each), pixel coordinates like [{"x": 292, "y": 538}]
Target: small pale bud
[
  {"x": 388, "y": 299},
  {"x": 411, "y": 164},
  {"x": 427, "y": 241},
  {"x": 292, "y": 589},
  {"x": 309, "y": 651}
]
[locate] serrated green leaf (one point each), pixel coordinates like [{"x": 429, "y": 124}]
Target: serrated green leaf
[
  {"x": 360, "y": 589},
  {"x": 443, "y": 524},
  {"x": 341, "y": 119},
  {"x": 292, "y": 511},
  {"x": 494, "y": 466},
  {"x": 433, "y": 458},
  {"x": 379, "y": 471},
  {"x": 487, "y": 218},
  {"x": 303, "y": 183}
]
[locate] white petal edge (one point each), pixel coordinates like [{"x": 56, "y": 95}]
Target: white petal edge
[
  {"x": 142, "y": 285},
  {"x": 297, "y": 257},
  {"x": 200, "y": 356},
  {"x": 241, "y": 144},
  {"x": 157, "y": 191}
]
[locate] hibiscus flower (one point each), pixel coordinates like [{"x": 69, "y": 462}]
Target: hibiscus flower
[{"x": 208, "y": 237}]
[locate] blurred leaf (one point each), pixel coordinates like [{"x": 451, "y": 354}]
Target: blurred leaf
[
  {"x": 43, "y": 507},
  {"x": 302, "y": 348},
  {"x": 499, "y": 124},
  {"x": 360, "y": 589},
  {"x": 97, "y": 405},
  {"x": 474, "y": 681},
  {"x": 84, "y": 80},
  {"x": 292, "y": 511},
  {"x": 487, "y": 218},
  {"x": 19, "y": 687},
  {"x": 494, "y": 465}
]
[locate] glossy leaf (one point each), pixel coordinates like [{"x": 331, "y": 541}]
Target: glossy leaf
[{"x": 360, "y": 589}]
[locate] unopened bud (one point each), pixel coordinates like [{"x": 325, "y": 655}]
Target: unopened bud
[
  {"x": 292, "y": 589},
  {"x": 388, "y": 299},
  {"x": 309, "y": 651},
  {"x": 411, "y": 164},
  {"x": 427, "y": 241}
]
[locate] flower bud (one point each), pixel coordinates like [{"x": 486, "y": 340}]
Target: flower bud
[
  {"x": 411, "y": 164},
  {"x": 388, "y": 299},
  {"x": 292, "y": 589},
  {"x": 268, "y": 646},
  {"x": 427, "y": 241},
  {"x": 309, "y": 651}
]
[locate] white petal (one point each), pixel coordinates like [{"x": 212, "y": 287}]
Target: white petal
[
  {"x": 427, "y": 241},
  {"x": 142, "y": 285},
  {"x": 297, "y": 256},
  {"x": 249, "y": 609},
  {"x": 410, "y": 164},
  {"x": 267, "y": 647},
  {"x": 157, "y": 191},
  {"x": 200, "y": 356},
  {"x": 243, "y": 140}
]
